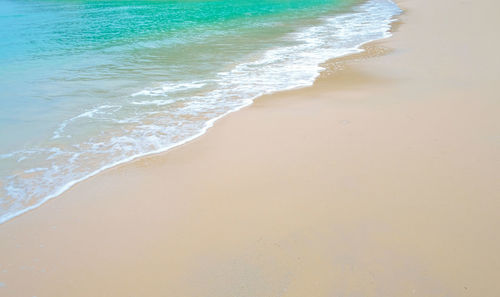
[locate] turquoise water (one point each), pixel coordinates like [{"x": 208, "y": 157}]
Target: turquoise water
[{"x": 85, "y": 85}]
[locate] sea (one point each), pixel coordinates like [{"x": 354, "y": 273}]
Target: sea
[{"x": 86, "y": 85}]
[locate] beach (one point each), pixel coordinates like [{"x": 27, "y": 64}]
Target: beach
[{"x": 379, "y": 180}]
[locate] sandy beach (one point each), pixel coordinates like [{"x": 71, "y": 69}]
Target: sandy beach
[{"x": 382, "y": 179}]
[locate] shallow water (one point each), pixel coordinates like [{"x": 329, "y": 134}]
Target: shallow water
[{"x": 85, "y": 85}]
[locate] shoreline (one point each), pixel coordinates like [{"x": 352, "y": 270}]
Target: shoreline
[
  {"x": 378, "y": 180},
  {"x": 208, "y": 125}
]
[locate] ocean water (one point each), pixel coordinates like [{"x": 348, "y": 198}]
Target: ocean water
[{"x": 86, "y": 85}]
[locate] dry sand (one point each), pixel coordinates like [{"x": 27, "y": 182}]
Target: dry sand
[{"x": 380, "y": 180}]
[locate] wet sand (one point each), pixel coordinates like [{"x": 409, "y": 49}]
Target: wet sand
[{"x": 380, "y": 180}]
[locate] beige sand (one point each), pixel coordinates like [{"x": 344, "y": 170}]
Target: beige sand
[{"x": 381, "y": 180}]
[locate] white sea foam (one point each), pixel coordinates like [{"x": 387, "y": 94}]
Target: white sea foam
[
  {"x": 148, "y": 125},
  {"x": 102, "y": 110},
  {"x": 169, "y": 88},
  {"x": 153, "y": 102}
]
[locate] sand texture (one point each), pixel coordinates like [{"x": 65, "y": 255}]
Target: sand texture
[{"x": 380, "y": 180}]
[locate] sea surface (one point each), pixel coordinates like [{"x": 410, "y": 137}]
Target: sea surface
[{"x": 86, "y": 85}]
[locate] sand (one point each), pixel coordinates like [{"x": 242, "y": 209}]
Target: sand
[{"x": 380, "y": 180}]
